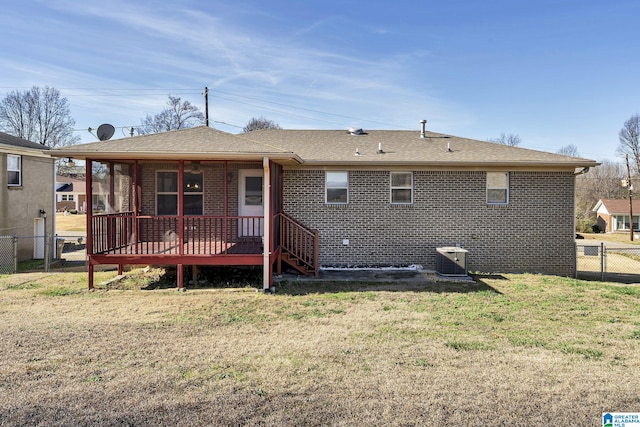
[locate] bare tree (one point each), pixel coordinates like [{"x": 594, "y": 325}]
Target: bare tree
[
  {"x": 178, "y": 114},
  {"x": 511, "y": 139},
  {"x": 569, "y": 150},
  {"x": 260, "y": 123},
  {"x": 38, "y": 115},
  {"x": 629, "y": 140},
  {"x": 601, "y": 182}
]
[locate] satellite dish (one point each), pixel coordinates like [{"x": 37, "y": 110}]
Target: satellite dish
[{"x": 105, "y": 131}]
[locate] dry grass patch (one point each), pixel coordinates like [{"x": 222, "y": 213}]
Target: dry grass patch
[
  {"x": 512, "y": 350},
  {"x": 610, "y": 237},
  {"x": 70, "y": 222}
]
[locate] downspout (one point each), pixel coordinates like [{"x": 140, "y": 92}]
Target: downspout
[
  {"x": 266, "y": 212},
  {"x": 53, "y": 217},
  {"x": 89, "y": 200}
]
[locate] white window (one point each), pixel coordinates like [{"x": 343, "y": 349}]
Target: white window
[
  {"x": 14, "y": 170},
  {"x": 622, "y": 222},
  {"x": 497, "y": 188},
  {"x": 402, "y": 188},
  {"x": 67, "y": 197},
  {"x": 167, "y": 193},
  {"x": 337, "y": 187}
]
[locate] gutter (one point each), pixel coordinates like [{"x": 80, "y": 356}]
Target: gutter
[
  {"x": 171, "y": 155},
  {"x": 583, "y": 171}
]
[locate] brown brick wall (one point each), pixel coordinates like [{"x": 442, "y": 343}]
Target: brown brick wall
[
  {"x": 534, "y": 233},
  {"x": 213, "y": 183}
]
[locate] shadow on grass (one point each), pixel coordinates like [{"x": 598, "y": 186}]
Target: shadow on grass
[
  {"x": 209, "y": 278},
  {"x": 243, "y": 277},
  {"x": 437, "y": 286},
  {"x": 624, "y": 278}
]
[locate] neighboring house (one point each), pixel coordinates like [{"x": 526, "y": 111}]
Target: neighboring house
[
  {"x": 312, "y": 198},
  {"x": 71, "y": 194},
  {"x": 27, "y": 204},
  {"x": 613, "y": 215}
]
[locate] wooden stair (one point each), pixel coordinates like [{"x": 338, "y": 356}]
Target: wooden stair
[
  {"x": 295, "y": 263},
  {"x": 299, "y": 246}
]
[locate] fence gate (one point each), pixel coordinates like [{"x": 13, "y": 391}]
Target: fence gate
[
  {"x": 42, "y": 253},
  {"x": 597, "y": 261}
]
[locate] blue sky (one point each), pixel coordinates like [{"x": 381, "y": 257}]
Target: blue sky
[{"x": 554, "y": 72}]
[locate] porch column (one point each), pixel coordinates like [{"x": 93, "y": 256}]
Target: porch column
[
  {"x": 266, "y": 243},
  {"x": 180, "y": 221}
]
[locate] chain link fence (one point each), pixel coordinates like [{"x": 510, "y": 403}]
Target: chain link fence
[
  {"x": 42, "y": 253},
  {"x": 594, "y": 261},
  {"x": 599, "y": 261}
]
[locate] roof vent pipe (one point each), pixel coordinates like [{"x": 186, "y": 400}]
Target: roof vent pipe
[{"x": 423, "y": 132}]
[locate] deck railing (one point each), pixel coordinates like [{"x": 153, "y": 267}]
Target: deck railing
[
  {"x": 300, "y": 242},
  {"x": 111, "y": 232},
  {"x": 123, "y": 233}
]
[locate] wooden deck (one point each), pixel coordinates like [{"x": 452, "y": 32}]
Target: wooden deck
[{"x": 124, "y": 238}]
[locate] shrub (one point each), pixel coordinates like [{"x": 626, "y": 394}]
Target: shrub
[{"x": 584, "y": 226}]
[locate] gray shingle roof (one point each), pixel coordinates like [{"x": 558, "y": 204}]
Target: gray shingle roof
[
  {"x": 405, "y": 147},
  {"x": 14, "y": 141},
  {"x": 326, "y": 147},
  {"x": 199, "y": 142}
]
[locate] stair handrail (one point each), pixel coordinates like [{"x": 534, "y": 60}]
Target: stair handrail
[{"x": 300, "y": 252}]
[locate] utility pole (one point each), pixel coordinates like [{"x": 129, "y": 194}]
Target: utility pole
[
  {"x": 206, "y": 106},
  {"x": 630, "y": 188}
]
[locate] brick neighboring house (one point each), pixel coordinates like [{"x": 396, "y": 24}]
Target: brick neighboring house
[
  {"x": 27, "y": 203},
  {"x": 613, "y": 215},
  {"x": 200, "y": 196},
  {"x": 71, "y": 194}
]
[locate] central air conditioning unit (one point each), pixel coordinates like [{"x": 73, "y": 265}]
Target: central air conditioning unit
[{"x": 451, "y": 261}]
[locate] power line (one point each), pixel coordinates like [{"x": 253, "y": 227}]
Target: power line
[
  {"x": 302, "y": 108},
  {"x": 128, "y": 92}
]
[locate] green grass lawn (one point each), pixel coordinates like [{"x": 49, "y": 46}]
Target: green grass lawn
[{"x": 505, "y": 350}]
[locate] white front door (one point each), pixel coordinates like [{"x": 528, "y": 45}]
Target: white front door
[{"x": 250, "y": 203}]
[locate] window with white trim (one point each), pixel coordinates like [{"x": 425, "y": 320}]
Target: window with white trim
[
  {"x": 167, "y": 193},
  {"x": 14, "y": 170},
  {"x": 337, "y": 187},
  {"x": 497, "y": 188},
  {"x": 401, "y": 188},
  {"x": 622, "y": 222},
  {"x": 67, "y": 197}
]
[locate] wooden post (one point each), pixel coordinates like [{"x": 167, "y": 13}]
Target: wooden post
[
  {"x": 179, "y": 274},
  {"x": 181, "y": 207},
  {"x": 90, "y": 280},
  {"x": 206, "y": 106}
]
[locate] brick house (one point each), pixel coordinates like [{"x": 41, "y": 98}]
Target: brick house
[
  {"x": 613, "y": 215},
  {"x": 27, "y": 204},
  {"x": 71, "y": 194},
  {"x": 312, "y": 198}
]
